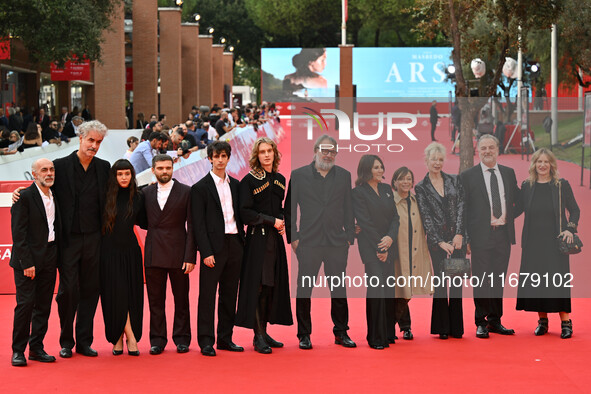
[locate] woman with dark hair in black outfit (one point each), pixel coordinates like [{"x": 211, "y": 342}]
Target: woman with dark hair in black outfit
[
  {"x": 441, "y": 203},
  {"x": 122, "y": 280},
  {"x": 377, "y": 218}
]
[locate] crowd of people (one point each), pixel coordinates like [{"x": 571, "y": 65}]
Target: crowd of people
[
  {"x": 78, "y": 217},
  {"x": 203, "y": 126},
  {"x": 28, "y": 129}
]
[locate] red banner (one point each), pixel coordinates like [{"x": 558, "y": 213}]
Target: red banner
[
  {"x": 73, "y": 70},
  {"x": 5, "y": 49},
  {"x": 128, "y": 78}
]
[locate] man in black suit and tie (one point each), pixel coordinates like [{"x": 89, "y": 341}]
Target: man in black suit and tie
[
  {"x": 219, "y": 235},
  {"x": 169, "y": 253},
  {"x": 492, "y": 196},
  {"x": 327, "y": 228},
  {"x": 35, "y": 229}
]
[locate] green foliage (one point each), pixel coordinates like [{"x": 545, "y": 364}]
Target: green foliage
[{"x": 54, "y": 30}]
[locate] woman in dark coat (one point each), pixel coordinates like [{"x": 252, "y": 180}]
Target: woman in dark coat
[
  {"x": 264, "y": 283},
  {"x": 545, "y": 199},
  {"x": 122, "y": 279},
  {"x": 441, "y": 203},
  {"x": 375, "y": 211}
]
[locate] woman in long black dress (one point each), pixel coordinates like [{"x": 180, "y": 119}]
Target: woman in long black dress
[
  {"x": 541, "y": 260},
  {"x": 441, "y": 203},
  {"x": 122, "y": 281},
  {"x": 375, "y": 211},
  {"x": 264, "y": 283}
]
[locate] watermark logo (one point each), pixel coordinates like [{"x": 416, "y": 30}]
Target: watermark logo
[
  {"x": 388, "y": 124},
  {"x": 316, "y": 118}
]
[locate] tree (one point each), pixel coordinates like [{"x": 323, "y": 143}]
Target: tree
[
  {"x": 505, "y": 21},
  {"x": 57, "y": 30},
  {"x": 574, "y": 52}
]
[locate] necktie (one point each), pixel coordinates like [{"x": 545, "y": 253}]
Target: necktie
[{"x": 496, "y": 196}]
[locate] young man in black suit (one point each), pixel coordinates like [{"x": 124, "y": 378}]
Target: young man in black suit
[
  {"x": 169, "y": 253},
  {"x": 327, "y": 228},
  {"x": 219, "y": 235},
  {"x": 35, "y": 230},
  {"x": 492, "y": 199}
]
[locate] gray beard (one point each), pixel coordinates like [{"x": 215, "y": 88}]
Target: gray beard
[{"x": 321, "y": 165}]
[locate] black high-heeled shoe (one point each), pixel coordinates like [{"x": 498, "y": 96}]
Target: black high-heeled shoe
[
  {"x": 542, "y": 327},
  {"x": 567, "y": 329},
  {"x": 132, "y": 352},
  {"x": 117, "y": 352}
]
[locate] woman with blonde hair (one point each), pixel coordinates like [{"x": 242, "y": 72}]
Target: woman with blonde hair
[
  {"x": 264, "y": 283},
  {"x": 441, "y": 203},
  {"x": 545, "y": 199}
]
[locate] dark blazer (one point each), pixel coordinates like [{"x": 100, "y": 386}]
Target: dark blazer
[
  {"x": 45, "y": 122},
  {"x": 169, "y": 241},
  {"x": 334, "y": 217},
  {"x": 377, "y": 217},
  {"x": 568, "y": 203},
  {"x": 437, "y": 227},
  {"x": 208, "y": 218},
  {"x": 64, "y": 187},
  {"x": 29, "y": 230},
  {"x": 478, "y": 207},
  {"x": 69, "y": 130}
]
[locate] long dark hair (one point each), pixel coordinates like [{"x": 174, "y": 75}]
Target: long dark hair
[
  {"x": 364, "y": 168},
  {"x": 113, "y": 189},
  {"x": 302, "y": 60}
]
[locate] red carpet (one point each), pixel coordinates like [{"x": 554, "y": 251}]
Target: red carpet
[{"x": 519, "y": 363}]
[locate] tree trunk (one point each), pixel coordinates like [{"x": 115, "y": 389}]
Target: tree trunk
[
  {"x": 466, "y": 138},
  {"x": 469, "y": 110},
  {"x": 376, "y": 41}
]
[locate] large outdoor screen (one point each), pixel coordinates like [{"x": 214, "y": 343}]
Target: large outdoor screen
[
  {"x": 299, "y": 74},
  {"x": 401, "y": 72}
]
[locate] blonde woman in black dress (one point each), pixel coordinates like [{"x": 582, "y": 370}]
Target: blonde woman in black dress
[{"x": 546, "y": 199}]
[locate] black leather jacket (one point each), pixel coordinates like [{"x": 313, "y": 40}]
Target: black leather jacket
[{"x": 442, "y": 221}]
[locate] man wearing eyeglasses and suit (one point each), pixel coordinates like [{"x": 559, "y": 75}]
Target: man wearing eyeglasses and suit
[{"x": 322, "y": 191}]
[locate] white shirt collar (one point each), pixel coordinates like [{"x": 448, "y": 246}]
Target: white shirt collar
[
  {"x": 166, "y": 186},
  {"x": 43, "y": 194},
  {"x": 217, "y": 179},
  {"x": 485, "y": 168}
]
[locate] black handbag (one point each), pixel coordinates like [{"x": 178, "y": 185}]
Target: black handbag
[
  {"x": 565, "y": 247},
  {"x": 456, "y": 266}
]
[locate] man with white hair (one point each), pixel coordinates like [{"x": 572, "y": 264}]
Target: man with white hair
[
  {"x": 80, "y": 184},
  {"x": 35, "y": 228}
]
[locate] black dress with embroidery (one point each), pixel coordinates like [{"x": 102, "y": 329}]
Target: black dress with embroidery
[{"x": 265, "y": 261}]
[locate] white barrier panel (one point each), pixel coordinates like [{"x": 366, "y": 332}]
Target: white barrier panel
[{"x": 14, "y": 167}]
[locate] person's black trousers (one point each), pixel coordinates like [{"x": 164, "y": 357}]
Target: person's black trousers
[
  {"x": 156, "y": 279},
  {"x": 493, "y": 259},
  {"x": 335, "y": 264},
  {"x": 226, "y": 273},
  {"x": 33, "y": 304},
  {"x": 79, "y": 288}
]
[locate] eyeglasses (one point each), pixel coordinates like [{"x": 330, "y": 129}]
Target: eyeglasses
[{"x": 328, "y": 152}]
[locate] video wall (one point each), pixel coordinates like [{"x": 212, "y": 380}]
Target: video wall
[{"x": 311, "y": 74}]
